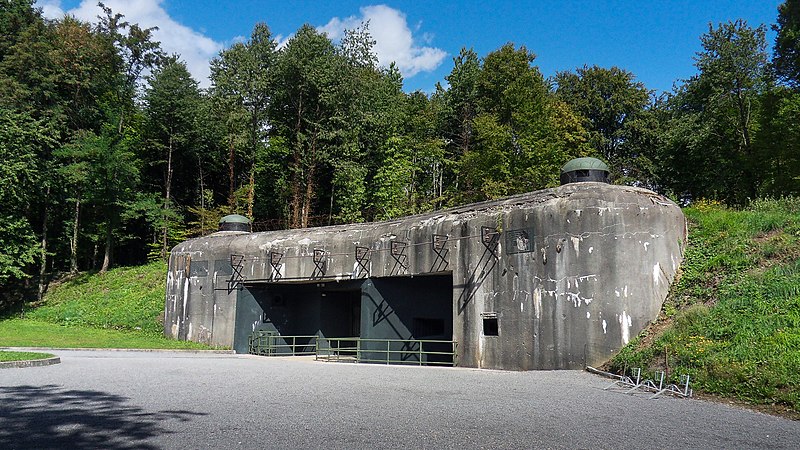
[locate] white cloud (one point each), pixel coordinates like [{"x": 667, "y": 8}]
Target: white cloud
[
  {"x": 195, "y": 48},
  {"x": 393, "y": 37},
  {"x": 389, "y": 27},
  {"x": 51, "y": 8}
]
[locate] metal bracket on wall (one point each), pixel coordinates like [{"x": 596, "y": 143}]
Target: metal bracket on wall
[
  {"x": 237, "y": 264},
  {"x": 398, "y": 252},
  {"x": 320, "y": 263},
  {"x": 275, "y": 261},
  {"x": 490, "y": 237},
  {"x": 362, "y": 258},
  {"x": 439, "y": 245}
]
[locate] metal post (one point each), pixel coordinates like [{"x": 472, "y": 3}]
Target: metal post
[
  {"x": 420, "y": 353},
  {"x": 387, "y": 352}
]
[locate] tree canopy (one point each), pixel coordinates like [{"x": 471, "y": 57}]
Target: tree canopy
[{"x": 110, "y": 152}]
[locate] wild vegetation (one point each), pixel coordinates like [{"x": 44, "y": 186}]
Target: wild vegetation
[{"x": 732, "y": 321}]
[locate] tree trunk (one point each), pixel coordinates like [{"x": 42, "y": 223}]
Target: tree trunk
[
  {"x": 296, "y": 204},
  {"x": 330, "y": 211},
  {"x": 109, "y": 243},
  {"x": 167, "y": 202},
  {"x": 307, "y": 197},
  {"x": 309, "y": 182},
  {"x": 43, "y": 267},
  {"x": 202, "y": 194},
  {"x": 251, "y": 187},
  {"x": 231, "y": 175},
  {"x": 73, "y": 243},
  {"x": 251, "y": 191}
]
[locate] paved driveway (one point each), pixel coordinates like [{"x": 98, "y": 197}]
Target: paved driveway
[{"x": 108, "y": 399}]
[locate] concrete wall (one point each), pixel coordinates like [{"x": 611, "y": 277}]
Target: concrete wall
[{"x": 572, "y": 274}]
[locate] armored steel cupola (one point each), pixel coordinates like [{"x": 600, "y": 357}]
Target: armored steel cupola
[
  {"x": 585, "y": 169},
  {"x": 234, "y": 222}
]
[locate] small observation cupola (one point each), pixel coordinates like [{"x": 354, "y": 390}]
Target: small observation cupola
[
  {"x": 585, "y": 169},
  {"x": 234, "y": 222}
]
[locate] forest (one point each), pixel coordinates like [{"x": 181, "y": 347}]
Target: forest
[{"x": 110, "y": 153}]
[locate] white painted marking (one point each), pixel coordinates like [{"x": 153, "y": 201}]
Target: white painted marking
[
  {"x": 575, "y": 298},
  {"x": 616, "y": 292},
  {"x": 576, "y": 244},
  {"x": 605, "y": 326},
  {"x": 645, "y": 245},
  {"x": 537, "y": 302},
  {"x": 656, "y": 272},
  {"x": 590, "y": 250},
  {"x": 185, "y": 294},
  {"x": 625, "y": 322},
  {"x": 521, "y": 306},
  {"x": 588, "y": 315}
]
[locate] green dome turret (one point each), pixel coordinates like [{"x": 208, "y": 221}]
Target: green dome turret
[
  {"x": 585, "y": 169},
  {"x": 234, "y": 222}
]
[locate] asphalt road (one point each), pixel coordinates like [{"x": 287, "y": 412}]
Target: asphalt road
[{"x": 121, "y": 400}]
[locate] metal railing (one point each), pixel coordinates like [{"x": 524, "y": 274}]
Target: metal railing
[
  {"x": 268, "y": 343},
  {"x": 388, "y": 351}
]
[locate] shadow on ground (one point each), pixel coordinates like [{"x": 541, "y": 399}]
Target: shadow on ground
[{"x": 52, "y": 417}]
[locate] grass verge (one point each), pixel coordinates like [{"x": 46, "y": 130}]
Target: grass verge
[
  {"x": 732, "y": 321},
  {"x": 6, "y": 356},
  {"x": 31, "y": 333}
]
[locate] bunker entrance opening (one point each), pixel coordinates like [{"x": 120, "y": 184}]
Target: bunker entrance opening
[{"x": 373, "y": 319}]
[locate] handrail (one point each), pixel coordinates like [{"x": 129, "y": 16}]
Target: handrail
[
  {"x": 266, "y": 343},
  {"x": 355, "y": 349}
]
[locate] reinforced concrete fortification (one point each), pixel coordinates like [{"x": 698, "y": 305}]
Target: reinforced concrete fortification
[{"x": 553, "y": 279}]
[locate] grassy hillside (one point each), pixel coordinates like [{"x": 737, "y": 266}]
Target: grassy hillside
[
  {"x": 127, "y": 298},
  {"x": 122, "y": 308},
  {"x": 732, "y": 322}
]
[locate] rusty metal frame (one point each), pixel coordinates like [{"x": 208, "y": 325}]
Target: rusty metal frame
[
  {"x": 275, "y": 261},
  {"x": 237, "y": 278},
  {"x": 320, "y": 263},
  {"x": 398, "y": 251},
  {"x": 362, "y": 255}
]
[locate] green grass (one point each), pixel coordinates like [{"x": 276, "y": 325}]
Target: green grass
[
  {"x": 31, "y": 333},
  {"x": 127, "y": 298},
  {"x": 122, "y": 308},
  {"x": 22, "y": 356},
  {"x": 732, "y": 322}
]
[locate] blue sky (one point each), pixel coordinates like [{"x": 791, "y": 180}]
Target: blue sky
[{"x": 655, "y": 40}]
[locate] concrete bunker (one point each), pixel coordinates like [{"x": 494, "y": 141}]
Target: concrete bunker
[{"x": 553, "y": 279}]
